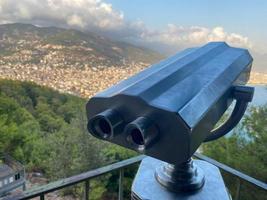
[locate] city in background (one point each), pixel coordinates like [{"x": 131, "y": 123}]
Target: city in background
[{"x": 54, "y": 55}]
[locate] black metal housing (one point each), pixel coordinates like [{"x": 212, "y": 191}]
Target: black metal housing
[{"x": 169, "y": 109}]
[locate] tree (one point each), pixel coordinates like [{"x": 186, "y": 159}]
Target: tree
[
  {"x": 18, "y": 129},
  {"x": 47, "y": 131},
  {"x": 115, "y": 153},
  {"x": 245, "y": 150}
]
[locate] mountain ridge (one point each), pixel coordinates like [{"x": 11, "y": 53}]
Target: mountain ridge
[
  {"x": 70, "y": 61},
  {"x": 114, "y": 51}
]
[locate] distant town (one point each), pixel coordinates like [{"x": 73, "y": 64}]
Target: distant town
[
  {"x": 67, "y": 60},
  {"x": 84, "y": 82},
  {"x": 258, "y": 78},
  {"x": 71, "y": 61}
]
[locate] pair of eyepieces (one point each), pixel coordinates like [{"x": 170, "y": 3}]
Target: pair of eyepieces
[{"x": 140, "y": 133}]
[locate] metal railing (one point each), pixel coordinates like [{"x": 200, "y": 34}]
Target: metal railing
[
  {"x": 241, "y": 177},
  {"x": 41, "y": 191}
]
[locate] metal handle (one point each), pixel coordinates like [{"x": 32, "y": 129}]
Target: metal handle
[{"x": 243, "y": 95}]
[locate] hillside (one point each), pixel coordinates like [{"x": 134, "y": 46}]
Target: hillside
[
  {"x": 72, "y": 61},
  {"x": 31, "y": 115},
  {"x": 67, "y": 60},
  {"x": 46, "y": 131},
  {"x": 28, "y": 44}
]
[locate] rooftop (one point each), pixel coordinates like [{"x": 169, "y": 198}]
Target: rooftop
[{"x": 5, "y": 170}]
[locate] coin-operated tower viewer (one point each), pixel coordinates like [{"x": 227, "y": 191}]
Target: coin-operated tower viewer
[{"x": 167, "y": 111}]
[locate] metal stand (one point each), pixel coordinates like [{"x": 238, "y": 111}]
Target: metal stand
[
  {"x": 154, "y": 181},
  {"x": 185, "y": 177}
]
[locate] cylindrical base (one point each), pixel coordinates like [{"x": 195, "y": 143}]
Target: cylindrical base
[
  {"x": 145, "y": 186},
  {"x": 185, "y": 177}
]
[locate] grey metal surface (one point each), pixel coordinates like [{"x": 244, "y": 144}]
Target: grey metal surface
[
  {"x": 145, "y": 186},
  {"x": 183, "y": 96}
]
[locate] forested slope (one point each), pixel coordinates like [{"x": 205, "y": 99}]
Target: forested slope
[
  {"x": 245, "y": 150},
  {"x": 36, "y": 122},
  {"x": 46, "y": 131}
]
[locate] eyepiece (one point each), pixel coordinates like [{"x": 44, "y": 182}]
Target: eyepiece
[
  {"x": 102, "y": 127},
  {"x": 105, "y": 124},
  {"x": 137, "y": 136},
  {"x": 141, "y": 133}
]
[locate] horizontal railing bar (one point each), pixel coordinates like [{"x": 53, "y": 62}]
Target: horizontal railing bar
[
  {"x": 232, "y": 171},
  {"x": 50, "y": 187},
  {"x": 53, "y": 186},
  {"x": 12, "y": 186}
]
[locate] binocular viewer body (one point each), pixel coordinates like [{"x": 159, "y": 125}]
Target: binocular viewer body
[{"x": 170, "y": 108}]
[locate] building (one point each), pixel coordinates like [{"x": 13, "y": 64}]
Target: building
[{"x": 12, "y": 175}]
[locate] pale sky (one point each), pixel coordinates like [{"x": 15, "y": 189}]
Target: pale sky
[
  {"x": 164, "y": 25},
  {"x": 244, "y": 17}
]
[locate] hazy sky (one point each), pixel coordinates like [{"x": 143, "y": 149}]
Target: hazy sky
[
  {"x": 166, "y": 24},
  {"x": 245, "y": 17}
]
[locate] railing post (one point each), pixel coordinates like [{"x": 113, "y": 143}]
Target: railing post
[
  {"x": 24, "y": 186},
  {"x": 238, "y": 187},
  {"x": 42, "y": 197},
  {"x": 121, "y": 184},
  {"x": 86, "y": 189}
]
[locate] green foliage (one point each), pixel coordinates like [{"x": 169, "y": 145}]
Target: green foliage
[
  {"x": 68, "y": 37},
  {"x": 18, "y": 129},
  {"x": 114, "y": 153},
  {"x": 47, "y": 131},
  {"x": 244, "y": 150}
]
